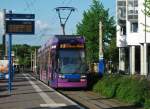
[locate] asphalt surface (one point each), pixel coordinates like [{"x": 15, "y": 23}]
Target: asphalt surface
[{"x": 29, "y": 93}]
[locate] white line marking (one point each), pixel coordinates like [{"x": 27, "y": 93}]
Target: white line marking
[
  {"x": 44, "y": 96},
  {"x": 52, "y": 105},
  {"x": 67, "y": 99}
]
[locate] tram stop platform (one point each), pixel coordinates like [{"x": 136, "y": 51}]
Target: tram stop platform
[{"x": 29, "y": 93}]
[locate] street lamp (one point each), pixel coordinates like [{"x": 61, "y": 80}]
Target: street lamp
[
  {"x": 101, "y": 57},
  {"x": 145, "y": 44},
  {"x": 145, "y": 21}
]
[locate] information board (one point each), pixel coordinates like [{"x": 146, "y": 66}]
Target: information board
[
  {"x": 20, "y": 16},
  {"x": 20, "y": 27}
]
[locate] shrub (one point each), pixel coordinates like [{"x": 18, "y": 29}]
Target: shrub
[
  {"x": 147, "y": 104},
  {"x": 132, "y": 90},
  {"x": 105, "y": 87},
  {"x": 147, "y": 101},
  {"x": 129, "y": 89}
]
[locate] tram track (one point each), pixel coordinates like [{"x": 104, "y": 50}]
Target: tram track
[
  {"x": 73, "y": 99},
  {"x": 91, "y": 100}
]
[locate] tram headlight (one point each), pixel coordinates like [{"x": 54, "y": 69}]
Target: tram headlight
[
  {"x": 61, "y": 76},
  {"x": 83, "y": 76}
]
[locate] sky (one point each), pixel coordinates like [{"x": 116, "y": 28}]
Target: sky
[{"x": 46, "y": 19}]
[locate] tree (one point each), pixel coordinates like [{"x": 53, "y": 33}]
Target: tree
[
  {"x": 147, "y": 7},
  {"x": 23, "y": 53},
  {"x": 89, "y": 27}
]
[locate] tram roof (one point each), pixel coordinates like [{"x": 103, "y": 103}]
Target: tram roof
[{"x": 61, "y": 38}]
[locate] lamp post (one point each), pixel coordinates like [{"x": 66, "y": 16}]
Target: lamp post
[
  {"x": 101, "y": 57},
  {"x": 145, "y": 46}
]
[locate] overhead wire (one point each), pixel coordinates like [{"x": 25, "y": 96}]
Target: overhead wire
[
  {"x": 63, "y": 2},
  {"x": 30, "y": 6},
  {"x": 27, "y": 6},
  {"x": 43, "y": 32},
  {"x": 69, "y": 2}
]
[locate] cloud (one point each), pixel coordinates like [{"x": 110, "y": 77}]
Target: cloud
[
  {"x": 42, "y": 27},
  {"x": 42, "y": 32}
]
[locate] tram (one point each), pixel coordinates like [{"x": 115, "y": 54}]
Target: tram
[{"x": 61, "y": 62}]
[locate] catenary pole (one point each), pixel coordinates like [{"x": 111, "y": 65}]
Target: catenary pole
[{"x": 101, "y": 57}]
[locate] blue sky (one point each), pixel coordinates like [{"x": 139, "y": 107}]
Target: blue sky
[{"x": 47, "y": 22}]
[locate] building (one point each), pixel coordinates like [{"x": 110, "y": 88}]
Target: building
[{"x": 132, "y": 39}]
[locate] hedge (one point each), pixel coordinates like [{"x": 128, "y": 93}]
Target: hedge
[{"x": 129, "y": 89}]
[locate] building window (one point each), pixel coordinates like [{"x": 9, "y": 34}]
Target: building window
[
  {"x": 133, "y": 10},
  {"x": 134, "y": 27},
  {"x": 123, "y": 30},
  {"x": 121, "y": 10}
]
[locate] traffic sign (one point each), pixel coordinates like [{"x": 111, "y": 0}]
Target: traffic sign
[
  {"x": 19, "y": 16},
  {"x": 20, "y": 27}
]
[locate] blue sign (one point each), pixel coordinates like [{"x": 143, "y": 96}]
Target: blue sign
[
  {"x": 19, "y": 16},
  {"x": 20, "y": 27},
  {"x": 101, "y": 67},
  {"x": 72, "y": 76}
]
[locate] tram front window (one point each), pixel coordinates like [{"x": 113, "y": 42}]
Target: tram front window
[{"x": 72, "y": 61}]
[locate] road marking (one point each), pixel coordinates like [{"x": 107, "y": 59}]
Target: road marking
[
  {"x": 67, "y": 99},
  {"x": 49, "y": 102},
  {"x": 44, "y": 96},
  {"x": 52, "y": 105}
]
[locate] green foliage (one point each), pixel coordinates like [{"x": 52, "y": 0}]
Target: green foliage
[
  {"x": 112, "y": 51},
  {"x": 23, "y": 53},
  {"x": 147, "y": 6},
  {"x": 132, "y": 90},
  {"x": 125, "y": 88},
  {"x": 107, "y": 86},
  {"x": 147, "y": 101},
  {"x": 147, "y": 104},
  {"x": 89, "y": 27}
]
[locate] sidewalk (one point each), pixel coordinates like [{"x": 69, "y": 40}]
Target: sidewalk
[{"x": 29, "y": 93}]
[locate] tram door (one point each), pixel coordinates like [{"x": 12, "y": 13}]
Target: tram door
[{"x": 54, "y": 72}]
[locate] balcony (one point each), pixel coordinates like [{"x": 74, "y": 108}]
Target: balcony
[
  {"x": 121, "y": 10},
  {"x": 133, "y": 10}
]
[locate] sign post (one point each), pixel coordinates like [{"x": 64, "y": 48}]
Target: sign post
[
  {"x": 25, "y": 27},
  {"x": 10, "y": 63}
]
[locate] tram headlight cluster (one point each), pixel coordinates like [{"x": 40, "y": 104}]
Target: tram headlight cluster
[
  {"x": 83, "y": 76},
  {"x": 61, "y": 76}
]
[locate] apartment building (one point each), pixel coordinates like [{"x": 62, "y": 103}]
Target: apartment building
[{"x": 133, "y": 37}]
